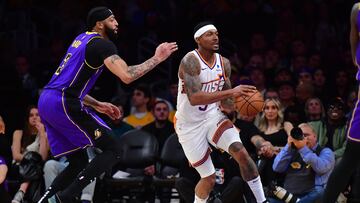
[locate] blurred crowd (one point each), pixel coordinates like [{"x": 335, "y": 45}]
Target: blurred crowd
[{"x": 296, "y": 52}]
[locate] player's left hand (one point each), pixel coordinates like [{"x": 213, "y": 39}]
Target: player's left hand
[
  {"x": 164, "y": 50},
  {"x": 109, "y": 109}
]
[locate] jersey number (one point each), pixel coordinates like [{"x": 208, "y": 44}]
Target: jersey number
[{"x": 63, "y": 64}]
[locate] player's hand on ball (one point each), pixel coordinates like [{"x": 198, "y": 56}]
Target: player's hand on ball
[{"x": 245, "y": 90}]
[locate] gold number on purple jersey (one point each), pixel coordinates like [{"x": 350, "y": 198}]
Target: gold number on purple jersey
[{"x": 63, "y": 64}]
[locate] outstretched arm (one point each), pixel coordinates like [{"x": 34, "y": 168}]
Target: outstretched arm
[
  {"x": 354, "y": 33},
  {"x": 130, "y": 73}
]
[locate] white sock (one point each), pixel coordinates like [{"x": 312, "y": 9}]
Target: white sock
[
  {"x": 257, "y": 189},
  {"x": 199, "y": 200}
]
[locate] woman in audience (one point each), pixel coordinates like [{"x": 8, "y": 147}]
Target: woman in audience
[
  {"x": 31, "y": 138},
  {"x": 271, "y": 125}
]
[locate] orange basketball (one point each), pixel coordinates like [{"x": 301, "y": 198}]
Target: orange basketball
[{"x": 249, "y": 105}]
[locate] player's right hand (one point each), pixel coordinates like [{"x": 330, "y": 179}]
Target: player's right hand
[
  {"x": 246, "y": 90},
  {"x": 164, "y": 50}
]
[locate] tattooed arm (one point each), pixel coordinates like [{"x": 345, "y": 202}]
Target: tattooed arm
[
  {"x": 130, "y": 73},
  {"x": 228, "y": 102},
  {"x": 189, "y": 71},
  {"x": 354, "y": 33}
]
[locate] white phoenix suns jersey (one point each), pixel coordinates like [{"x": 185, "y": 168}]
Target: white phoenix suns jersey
[{"x": 212, "y": 78}]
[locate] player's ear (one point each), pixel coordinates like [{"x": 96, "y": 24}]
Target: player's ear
[
  {"x": 197, "y": 40},
  {"x": 100, "y": 24}
]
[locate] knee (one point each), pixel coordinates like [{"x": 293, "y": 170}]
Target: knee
[
  {"x": 51, "y": 166},
  {"x": 238, "y": 151},
  {"x": 210, "y": 180}
]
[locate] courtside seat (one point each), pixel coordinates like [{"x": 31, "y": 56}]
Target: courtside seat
[{"x": 139, "y": 149}]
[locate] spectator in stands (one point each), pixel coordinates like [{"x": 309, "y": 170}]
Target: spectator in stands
[
  {"x": 320, "y": 84},
  {"x": 271, "y": 125},
  {"x": 342, "y": 84},
  {"x": 332, "y": 130},
  {"x": 305, "y": 75},
  {"x": 161, "y": 128},
  {"x": 31, "y": 138},
  {"x": 257, "y": 76},
  {"x": 118, "y": 126},
  {"x": 307, "y": 165},
  {"x": 139, "y": 114},
  {"x": 29, "y": 83},
  {"x": 314, "y": 109},
  {"x": 271, "y": 93},
  {"x": 304, "y": 91},
  {"x": 282, "y": 75},
  {"x": 287, "y": 94}
]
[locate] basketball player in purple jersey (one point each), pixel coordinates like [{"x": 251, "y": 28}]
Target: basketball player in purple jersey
[
  {"x": 67, "y": 110},
  {"x": 344, "y": 170}
]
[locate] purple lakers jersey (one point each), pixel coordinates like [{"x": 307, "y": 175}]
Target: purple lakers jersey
[{"x": 75, "y": 76}]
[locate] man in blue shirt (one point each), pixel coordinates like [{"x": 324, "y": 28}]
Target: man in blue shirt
[{"x": 306, "y": 164}]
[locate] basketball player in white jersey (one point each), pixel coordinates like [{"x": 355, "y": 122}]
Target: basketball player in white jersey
[{"x": 203, "y": 84}]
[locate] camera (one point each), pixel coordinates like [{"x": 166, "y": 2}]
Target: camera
[{"x": 297, "y": 133}]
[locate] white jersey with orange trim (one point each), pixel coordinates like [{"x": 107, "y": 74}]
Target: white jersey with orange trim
[{"x": 212, "y": 78}]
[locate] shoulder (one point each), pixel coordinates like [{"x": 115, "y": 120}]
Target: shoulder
[
  {"x": 189, "y": 58},
  {"x": 100, "y": 42},
  {"x": 224, "y": 59},
  {"x": 354, "y": 13},
  {"x": 356, "y": 7},
  {"x": 18, "y": 133},
  {"x": 190, "y": 65}
]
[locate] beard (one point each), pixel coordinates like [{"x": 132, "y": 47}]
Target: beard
[{"x": 110, "y": 33}]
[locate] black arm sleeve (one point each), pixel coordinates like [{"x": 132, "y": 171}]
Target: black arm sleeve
[{"x": 97, "y": 50}]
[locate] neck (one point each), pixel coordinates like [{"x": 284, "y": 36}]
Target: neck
[
  {"x": 271, "y": 123},
  {"x": 141, "y": 109},
  {"x": 314, "y": 117},
  {"x": 160, "y": 124},
  {"x": 100, "y": 32},
  {"x": 207, "y": 55}
]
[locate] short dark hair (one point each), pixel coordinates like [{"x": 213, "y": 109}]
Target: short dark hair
[
  {"x": 97, "y": 14},
  {"x": 144, "y": 88}
]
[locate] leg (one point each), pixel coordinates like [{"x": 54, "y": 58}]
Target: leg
[
  {"x": 77, "y": 161},
  {"x": 340, "y": 176},
  {"x": 88, "y": 191},
  {"x": 19, "y": 196},
  {"x": 95, "y": 168},
  {"x": 52, "y": 168},
  {"x": 314, "y": 195},
  {"x": 204, "y": 186},
  {"x": 229, "y": 141},
  {"x": 248, "y": 170}
]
